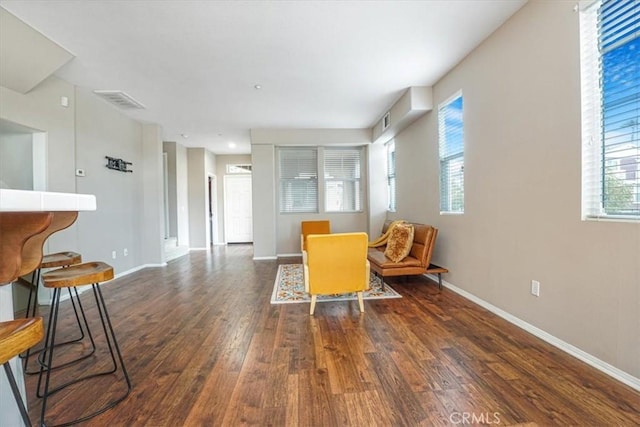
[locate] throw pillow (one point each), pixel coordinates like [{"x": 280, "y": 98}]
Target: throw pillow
[{"x": 400, "y": 242}]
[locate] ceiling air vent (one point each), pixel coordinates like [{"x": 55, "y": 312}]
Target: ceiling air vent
[{"x": 120, "y": 99}]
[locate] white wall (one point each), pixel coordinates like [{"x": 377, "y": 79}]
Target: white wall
[
  {"x": 195, "y": 168},
  {"x": 169, "y": 148},
  {"x": 16, "y": 161},
  {"x": 178, "y": 191},
  {"x": 104, "y": 131},
  {"x": 197, "y": 198},
  {"x": 264, "y": 201},
  {"x": 152, "y": 225},
  {"x": 311, "y": 136},
  {"x": 378, "y": 197},
  {"x": 182, "y": 195},
  {"x": 522, "y": 217}
]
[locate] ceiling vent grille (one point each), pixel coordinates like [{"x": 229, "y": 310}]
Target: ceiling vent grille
[{"x": 120, "y": 99}]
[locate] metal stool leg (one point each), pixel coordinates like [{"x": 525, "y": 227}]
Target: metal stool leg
[
  {"x": 35, "y": 280},
  {"x": 111, "y": 343},
  {"x": 41, "y": 356},
  {"x": 16, "y": 394}
]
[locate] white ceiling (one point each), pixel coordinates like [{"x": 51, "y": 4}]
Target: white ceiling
[{"x": 321, "y": 64}]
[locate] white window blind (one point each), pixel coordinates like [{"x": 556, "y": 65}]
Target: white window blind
[
  {"x": 391, "y": 175},
  {"x": 342, "y": 179},
  {"x": 298, "y": 180},
  {"x": 451, "y": 147},
  {"x": 610, "y": 72}
]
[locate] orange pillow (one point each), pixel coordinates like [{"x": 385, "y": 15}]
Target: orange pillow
[{"x": 400, "y": 242}]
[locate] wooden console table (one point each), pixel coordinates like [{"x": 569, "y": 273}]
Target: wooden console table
[{"x": 27, "y": 219}]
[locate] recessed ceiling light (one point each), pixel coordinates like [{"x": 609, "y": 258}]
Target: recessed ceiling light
[
  {"x": 232, "y": 145},
  {"x": 257, "y": 86},
  {"x": 184, "y": 135}
]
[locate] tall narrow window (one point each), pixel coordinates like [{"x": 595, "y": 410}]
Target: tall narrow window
[
  {"x": 298, "y": 180},
  {"x": 391, "y": 175},
  {"x": 451, "y": 136},
  {"x": 610, "y": 72},
  {"x": 342, "y": 179}
]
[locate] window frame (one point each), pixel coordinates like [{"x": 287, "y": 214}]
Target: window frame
[
  {"x": 390, "y": 146},
  {"x": 321, "y": 181},
  {"x": 446, "y": 159},
  {"x": 601, "y": 171},
  {"x": 295, "y": 181},
  {"x": 356, "y": 181}
]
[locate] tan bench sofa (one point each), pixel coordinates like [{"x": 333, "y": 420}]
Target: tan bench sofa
[{"x": 417, "y": 262}]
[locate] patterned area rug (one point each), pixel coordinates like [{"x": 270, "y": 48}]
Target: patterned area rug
[{"x": 289, "y": 288}]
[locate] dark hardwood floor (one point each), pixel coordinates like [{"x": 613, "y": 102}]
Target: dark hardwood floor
[{"x": 204, "y": 347}]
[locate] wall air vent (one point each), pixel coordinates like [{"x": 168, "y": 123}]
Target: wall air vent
[{"x": 120, "y": 99}]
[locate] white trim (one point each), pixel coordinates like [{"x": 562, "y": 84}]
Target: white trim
[
  {"x": 600, "y": 365},
  {"x": 138, "y": 268},
  {"x": 613, "y": 218},
  {"x": 456, "y": 94},
  {"x": 288, "y": 255},
  {"x": 198, "y": 249},
  {"x": 264, "y": 258}
]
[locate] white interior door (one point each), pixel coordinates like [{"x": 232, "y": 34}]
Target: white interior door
[{"x": 238, "y": 219}]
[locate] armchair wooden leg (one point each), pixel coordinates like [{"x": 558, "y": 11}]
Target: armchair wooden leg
[
  {"x": 361, "y": 301},
  {"x": 313, "y": 304}
]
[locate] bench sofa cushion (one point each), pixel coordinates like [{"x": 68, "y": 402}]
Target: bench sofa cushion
[{"x": 377, "y": 257}]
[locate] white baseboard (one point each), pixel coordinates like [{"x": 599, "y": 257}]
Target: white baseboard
[
  {"x": 600, "y": 365},
  {"x": 288, "y": 255},
  {"x": 138, "y": 268},
  {"x": 198, "y": 249},
  {"x": 263, "y": 258}
]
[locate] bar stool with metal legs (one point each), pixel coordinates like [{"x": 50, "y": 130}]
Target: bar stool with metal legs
[
  {"x": 90, "y": 273},
  {"x": 59, "y": 259},
  {"x": 17, "y": 336}
]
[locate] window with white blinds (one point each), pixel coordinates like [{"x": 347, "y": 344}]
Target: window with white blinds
[
  {"x": 342, "y": 179},
  {"x": 610, "y": 72},
  {"x": 451, "y": 147},
  {"x": 298, "y": 179},
  {"x": 391, "y": 175}
]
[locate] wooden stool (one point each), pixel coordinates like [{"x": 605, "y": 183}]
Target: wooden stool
[
  {"x": 59, "y": 259},
  {"x": 17, "y": 336},
  {"x": 90, "y": 273}
]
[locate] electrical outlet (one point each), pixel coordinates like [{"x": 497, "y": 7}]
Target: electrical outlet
[
  {"x": 113, "y": 254},
  {"x": 535, "y": 288},
  {"x": 126, "y": 252}
]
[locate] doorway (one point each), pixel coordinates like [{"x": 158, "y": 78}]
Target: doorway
[{"x": 238, "y": 216}]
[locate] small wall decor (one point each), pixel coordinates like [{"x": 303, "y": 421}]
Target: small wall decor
[{"x": 118, "y": 164}]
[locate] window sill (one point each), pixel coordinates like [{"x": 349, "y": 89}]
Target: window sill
[{"x": 610, "y": 218}]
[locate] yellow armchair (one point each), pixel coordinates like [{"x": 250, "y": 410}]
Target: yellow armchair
[
  {"x": 336, "y": 264},
  {"x": 312, "y": 227}
]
